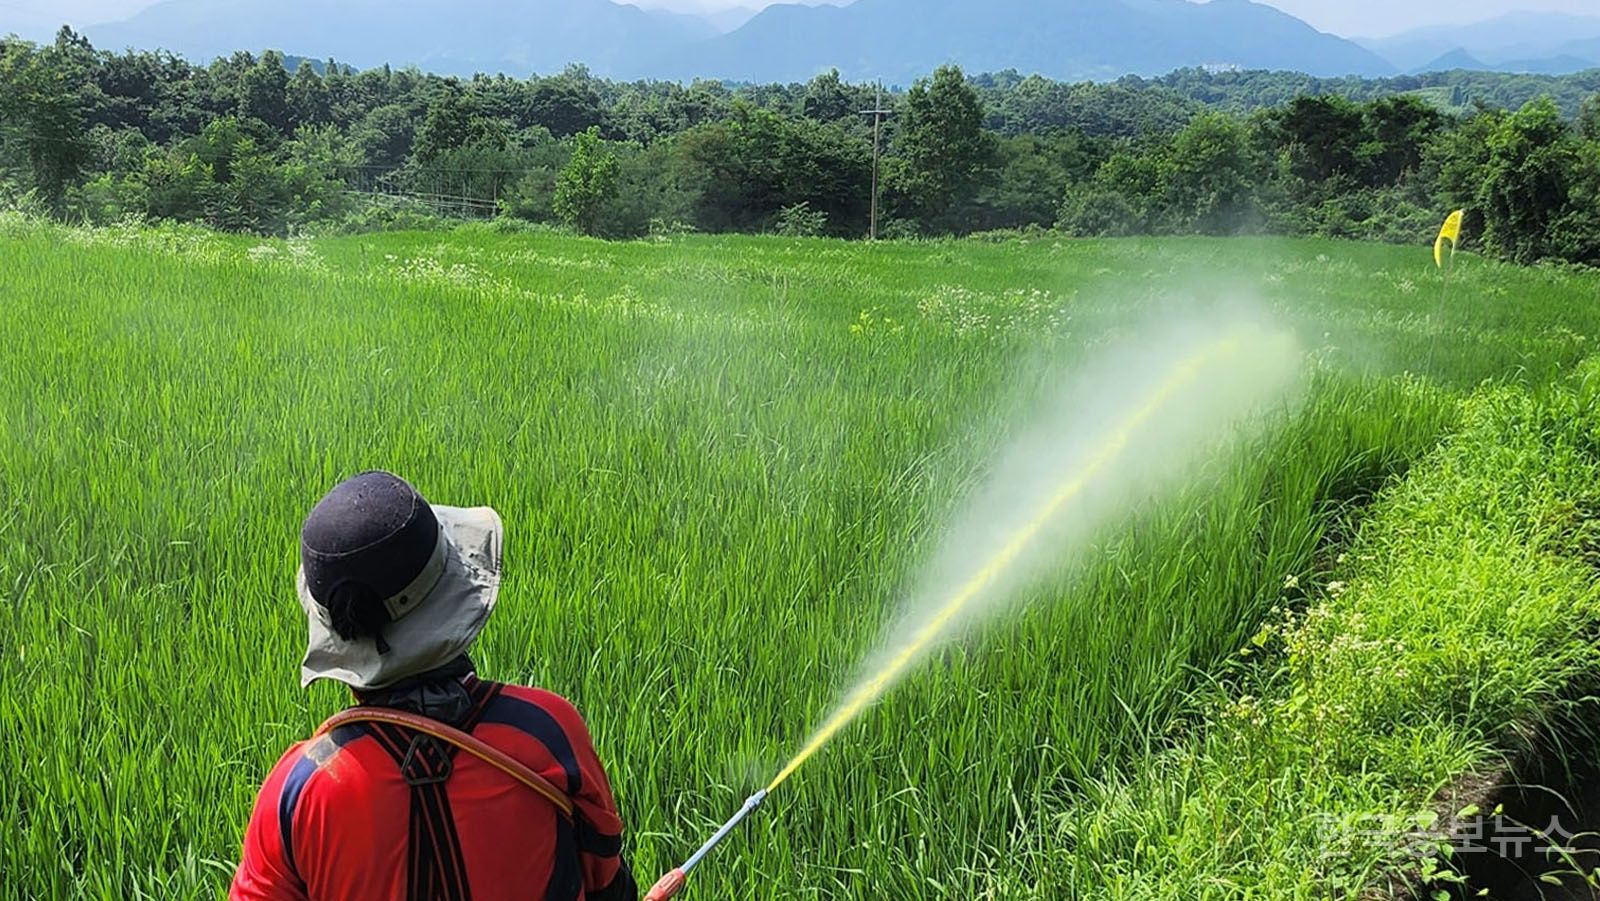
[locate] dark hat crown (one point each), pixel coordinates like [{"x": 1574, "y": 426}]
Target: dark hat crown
[{"x": 371, "y": 535}]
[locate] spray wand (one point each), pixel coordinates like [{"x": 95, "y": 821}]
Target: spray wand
[{"x": 673, "y": 882}]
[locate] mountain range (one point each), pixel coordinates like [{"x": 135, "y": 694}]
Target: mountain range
[
  {"x": 893, "y": 40},
  {"x": 1542, "y": 42},
  {"x": 455, "y": 36},
  {"x": 898, "y": 40}
]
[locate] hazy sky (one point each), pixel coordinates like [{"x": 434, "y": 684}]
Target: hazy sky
[
  {"x": 1378, "y": 18},
  {"x": 1359, "y": 18},
  {"x": 1352, "y": 18}
]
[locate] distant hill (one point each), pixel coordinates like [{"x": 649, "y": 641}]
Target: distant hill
[
  {"x": 1560, "y": 64},
  {"x": 1456, "y": 59},
  {"x": 895, "y": 40},
  {"x": 898, "y": 40},
  {"x": 1457, "y": 90},
  {"x": 453, "y": 36},
  {"x": 1584, "y": 48},
  {"x": 1551, "y": 43}
]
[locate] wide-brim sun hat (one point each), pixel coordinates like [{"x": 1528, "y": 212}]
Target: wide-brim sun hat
[{"x": 436, "y": 570}]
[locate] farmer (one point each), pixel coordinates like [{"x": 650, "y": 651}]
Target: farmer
[{"x": 437, "y": 784}]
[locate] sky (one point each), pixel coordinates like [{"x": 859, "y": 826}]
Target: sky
[
  {"x": 1352, "y": 18},
  {"x": 1381, "y": 18}
]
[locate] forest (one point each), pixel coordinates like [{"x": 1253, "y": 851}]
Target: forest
[{"x": 278, "y": 145}]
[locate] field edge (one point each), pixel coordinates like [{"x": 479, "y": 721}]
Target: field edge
[{"x": 1360, "y": 733}]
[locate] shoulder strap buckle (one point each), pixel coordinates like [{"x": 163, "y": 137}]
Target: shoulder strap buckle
[{"x": 426, "y": 762}]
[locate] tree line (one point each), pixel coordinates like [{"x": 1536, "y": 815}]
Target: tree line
[{"x": 250, "y": 143}]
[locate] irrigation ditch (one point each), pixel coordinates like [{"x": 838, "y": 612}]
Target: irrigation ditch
[{"x": 1532, "y": 828}]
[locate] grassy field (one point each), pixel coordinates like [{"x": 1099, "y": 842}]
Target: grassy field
[{"x": 719, "y": 460}]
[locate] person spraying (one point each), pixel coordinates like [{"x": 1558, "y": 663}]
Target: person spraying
[{"x": 437, "y": 785}]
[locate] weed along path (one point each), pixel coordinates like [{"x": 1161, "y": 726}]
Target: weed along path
[{"x": 724, "y": 465}]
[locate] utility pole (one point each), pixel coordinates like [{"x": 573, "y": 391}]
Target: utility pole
[{"x": 877, "y": 113}]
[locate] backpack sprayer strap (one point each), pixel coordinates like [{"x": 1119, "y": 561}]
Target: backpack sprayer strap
[{"x": 478, "y": 748}]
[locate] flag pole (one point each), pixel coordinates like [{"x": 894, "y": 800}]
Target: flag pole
[{"x": 1444, "y": 293}]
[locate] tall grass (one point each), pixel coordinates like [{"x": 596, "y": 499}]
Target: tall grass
[{"x": 718, "y": 459}]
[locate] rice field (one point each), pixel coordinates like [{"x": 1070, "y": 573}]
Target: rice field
[{"x": 720, "y": 460}]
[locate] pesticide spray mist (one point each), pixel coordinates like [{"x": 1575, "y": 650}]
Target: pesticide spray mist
[{"x": 1143, "y": 413}]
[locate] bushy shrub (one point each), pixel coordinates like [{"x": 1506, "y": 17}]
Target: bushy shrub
[
  {"x": 801, "y": 221},
  {"x": 587, "y": 183},
  {"x": 385, "y": 215},
  {"x": 669, "y": 228},
  {"x": 1093, "y": 212},
  {"x": 900, "y": 230}
]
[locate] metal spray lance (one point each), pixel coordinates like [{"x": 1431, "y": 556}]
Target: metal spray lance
[{"x": 673, "y": 882}]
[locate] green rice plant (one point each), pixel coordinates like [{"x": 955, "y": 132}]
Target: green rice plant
[{"x": 719, "y": 460}]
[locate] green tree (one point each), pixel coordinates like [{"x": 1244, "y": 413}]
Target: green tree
[
  {"x": 172, "y": 185},
  {"x": 1457, "y": 161},
  {"x": 801, "y": 221},
  {"x": 264, "y": 92},
  {"x": 132, "y": 87},
  {"x": 1533, "y": 158},
  {"x": 1589, "y": 118},
  {"x": 1137, "y": 178},
  {"x": 1092, "y": 211},
  {"x": 828, "y": 99},
  {"x": 1323, "y": 134},
  {"x": 1033, "y": 173},
  {"x": 323, "y": 149},
  {"x": 566, "y": 104},
  {"x": 1037, "y": 105},
  {"x": 745, "y": 170},
  {"x": 42, "y": 118},
  {"x": 1397, "y": 131},
  {"x": 385, "y": 135},
  {"x": 454, "y": 120},
  {"x": 307, "y": 98},
  {"x": 587, "y": 182},
  {"x": 945, "y": 156},
  {"x": 1209, "y": 177},
  {"x": 1576, "y": 233},
  {"x": 1123, "y": 198},
  {"x": 225, "y": 178}
]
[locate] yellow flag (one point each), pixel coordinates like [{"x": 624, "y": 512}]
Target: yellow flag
[{"x": 1452, "y": 232}]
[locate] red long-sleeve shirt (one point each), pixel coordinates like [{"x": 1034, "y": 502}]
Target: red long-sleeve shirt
[{"x": 332, "y": 821}]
